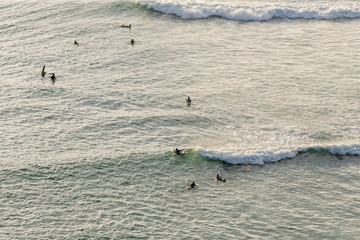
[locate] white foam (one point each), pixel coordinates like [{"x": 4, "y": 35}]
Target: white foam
[
  {"x": 341, "y": 150},
  {"x": 256, "y": 11},
  {"x": 262, "y": 157}
]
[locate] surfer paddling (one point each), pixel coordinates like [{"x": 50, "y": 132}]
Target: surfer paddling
[
  {"x": 218, "y": 178},
  {"x": 126, "y": 26},
  {"x": 179, "y": 152}
]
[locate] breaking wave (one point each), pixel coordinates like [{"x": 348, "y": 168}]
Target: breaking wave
[
  {"x": 262, "y": 157},
  {"x": 256, "y": 11}
]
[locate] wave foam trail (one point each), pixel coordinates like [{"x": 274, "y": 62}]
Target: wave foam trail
[
  {"x": 262, "y": 157},
  {"x": 256, "y": 11}
]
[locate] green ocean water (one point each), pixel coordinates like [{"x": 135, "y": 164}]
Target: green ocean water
[
  {"x": 274, "y": 111},
  {"x": 142, "y": 196}
]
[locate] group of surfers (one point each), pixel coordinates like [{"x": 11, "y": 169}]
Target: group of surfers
[
  {"x": 181, "y": 153},
  {"x": 218, "y": 178},
  {"x": 132, "y": 42},
  {"x": 53, "y": 78}
]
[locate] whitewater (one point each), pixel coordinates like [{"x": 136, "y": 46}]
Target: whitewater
[
  {"x": 257, "y": 10},
  {"x": 275, "y": 111}
]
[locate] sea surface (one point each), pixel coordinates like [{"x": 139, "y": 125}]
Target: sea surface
[{"x": 275, "y": 89}]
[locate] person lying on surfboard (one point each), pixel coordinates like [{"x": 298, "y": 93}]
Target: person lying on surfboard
[
  {"x": 179, "y": 152},
  {"x": 124, "y": 26},
  {"x": 218, "y": 178}
]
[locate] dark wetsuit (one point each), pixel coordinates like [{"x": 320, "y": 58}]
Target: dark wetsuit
[
  {"x": 179, "y": 152},
  {"x": 219, "y": 178},
  {"x": 53, "y": 78}
]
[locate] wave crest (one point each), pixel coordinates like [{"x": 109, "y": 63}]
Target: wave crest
[
  {"x": 255, "y": 11},
  {"x": 260, "y": 158}
]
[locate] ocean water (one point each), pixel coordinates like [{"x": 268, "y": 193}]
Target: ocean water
[{"x": 275, "y": 111}]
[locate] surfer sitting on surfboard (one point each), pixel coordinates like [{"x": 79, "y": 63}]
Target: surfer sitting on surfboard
[
  {"x": 218, "y": 178},
  {"x": 193, "y": 185},
  {"x": 188, "y": 100},
  {"x": 43, "y": 71},
  {"x": 53, "y": 77}
]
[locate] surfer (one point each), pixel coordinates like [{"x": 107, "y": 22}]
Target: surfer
[
  {"x": 53, "y": 77},
  {"x": 43, "y": 71},
  {"x": 179, "y": 152},
  {"x": 188, "y": 100},
  {"x": 193, "y": 185},
  {"x": 124, "y": 26},
  {"x": 76, "y": 43},
  {"x": 218, "y": 178},
  {"x": 132, "y": 42}
]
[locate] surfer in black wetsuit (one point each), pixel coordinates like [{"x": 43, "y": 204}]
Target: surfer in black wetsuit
[
  {"x": 218, "y": 178},
  {"x": 193, "y": 185},
  {"x": 43, "y": 71},
  {"x": 132, "y": 42},
  {"x": 124, "y": 26},
  {"x": 53, "y": 78},
  {"x": 76, "y": 43},
  {"x": 179, "y": 152}
]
